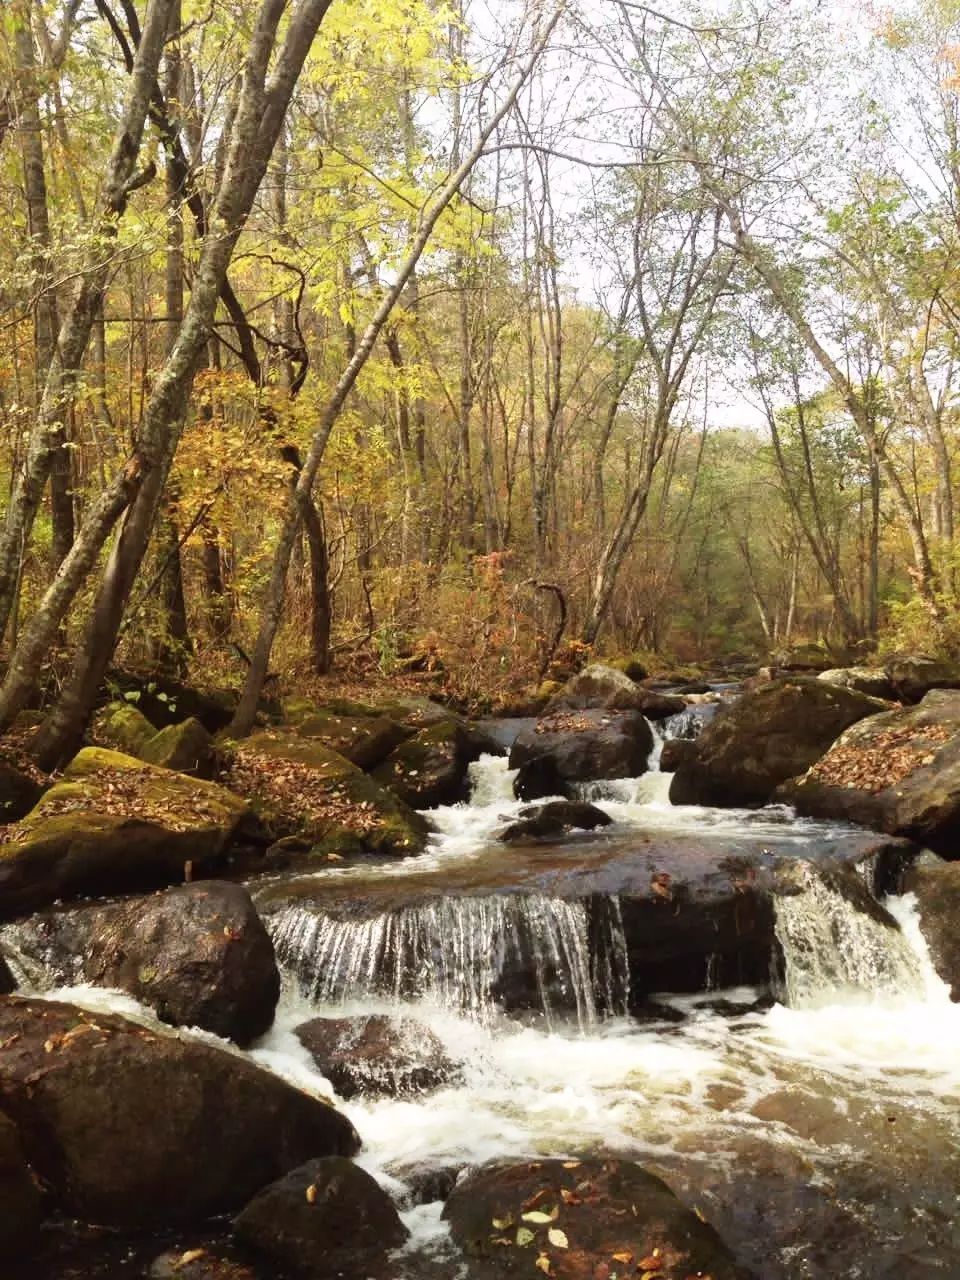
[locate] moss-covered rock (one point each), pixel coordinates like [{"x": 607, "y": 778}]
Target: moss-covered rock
[
  {"x": 122, "y": 727},
  {"x": 186, "y": 747},
  {"x": 301, "y": 786},
  {"x": 365, "y": 741},
  {"x": 114, "y": 823}
]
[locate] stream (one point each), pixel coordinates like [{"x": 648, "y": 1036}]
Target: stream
[{"x": 814, "y": 1122}]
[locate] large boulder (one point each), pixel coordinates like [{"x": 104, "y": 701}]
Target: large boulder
[
  {"x": 122, "y": 727},
  {"x": 874, "y": 682},
  {"x": 377, "y": 1055},
  {"x": 584, "y": 1219},
  {"x": 198, "y": 954},
  {"x": 897, "y": 772},
  {"x": 937, "y": 888},
  {"x": 327, "y": 1218},
  {"x": 567, "y": 748},
  {"x": 365, "y": 740},
  {"x": 431, "y": 768},
  {"x": 769, "y": 735},
  {"x": 599, "y": 686},
  {"x": 913, "y": 676},
  {"x": 186, "y": 747},
  {"x": 20, "y": 1207},
  {"x": 114, "y": 824},
  {"x": 132, "y": 1128},
  {"x": 303, "y": 787},
  {"x": 165, "y": 700}
]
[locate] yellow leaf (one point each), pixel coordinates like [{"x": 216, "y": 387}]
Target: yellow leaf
[
  {"x": 557, "y": 1238},
  {"x": 539, "y": 1217},
  {"x": 312, "y": 1193},
  {"x": 543, "y": 1262}
]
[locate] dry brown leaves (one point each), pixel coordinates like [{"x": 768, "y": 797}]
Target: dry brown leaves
[
  {"x": 300, "y": 792},
  {"x": 13, "y": 751},
  {"x": 567, "y": 722},
  {"x": 127, "y": 793},
  {"x": 890, "y": 757}
]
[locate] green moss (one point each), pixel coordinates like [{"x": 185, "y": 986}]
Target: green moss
[{"x": 121, "y": 726}]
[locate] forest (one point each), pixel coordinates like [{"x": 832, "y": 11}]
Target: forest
[{"x": 412, "y": 335}]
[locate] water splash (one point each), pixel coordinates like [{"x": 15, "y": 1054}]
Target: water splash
[
  {"x": 473, "y": 954},
  {"x": 834, "y": 950}
]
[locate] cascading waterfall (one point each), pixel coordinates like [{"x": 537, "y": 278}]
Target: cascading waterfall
[
  {"x": 474, "y": 955},
  {"x": 832, "y": 949}
]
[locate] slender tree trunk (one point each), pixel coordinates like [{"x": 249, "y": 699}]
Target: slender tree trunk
[
  {"x": 273, "y": 605},
  {"x": 260, "y": 113},
  {"x": 47, "y": 434}
]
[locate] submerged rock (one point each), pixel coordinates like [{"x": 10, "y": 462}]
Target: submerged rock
[
  {"x": 327, "y": 1218},
  {"x": 769, "y": 735},
  {"x": 377, "y": 1055},
  {"x": 897, "y": 772},
  {"x": 586, "y": 1219},
  {"x": 112, "y": 824},
  {"x": 305, "y": 788},
  {"x": 554, "y": 819},
  {"x": 132, "y": 1128},
  {"x": 566, "y": 748}
]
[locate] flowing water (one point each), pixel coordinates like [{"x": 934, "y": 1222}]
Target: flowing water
[{"x": 818, "y": 1131}]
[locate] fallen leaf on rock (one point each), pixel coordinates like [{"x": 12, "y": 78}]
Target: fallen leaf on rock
[
  {"x": 539, "y": 1217},
  {"x": 558, "y": 1238},
  {"x": 312, "y": 1193},
  {"x": 543, "y": 1263},
  {"x": 524, "y": 1236}
]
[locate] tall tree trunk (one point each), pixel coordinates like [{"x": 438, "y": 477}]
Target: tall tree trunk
[
  {"x": 46, "y": 436},
  {"x": 260, "y": 114},
  {"x": 273, "y": 605}
]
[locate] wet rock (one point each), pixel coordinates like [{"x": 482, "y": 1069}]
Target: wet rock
[
  {"x": 8, "y": 982},
  {"x": 132, "y": 1128},
  {"x": 327, "y": 1218},
  {"x": 200, "y": 1263},
  {"x": 427, "y": 1186},
  {"x": 875, "y": 683},
  {"x": 579, "y": 746},
  {"x": 114, "y": 824},
  {"x": 675, "y": 751},
  {"x": 198, "y": 954},
  {"x": 304, "y": 788},
  {"x": 768, "y": 736},
  {"x": 377, "y": 1055},
  {"x": 660, "y": 706},
  {"x": 897, "y": 772},
  {"x": 914, "y": 675},
  {"x": 20, "y": 1204},
  {"x": 555, "y": 819},
  {"x": 186, "y": 747},
  {"x": 365, "y": 741},
  {"x": 603, "y": 1218},
  {"x": 430, "y": 769},
  {"x": 937, "y": 887}
]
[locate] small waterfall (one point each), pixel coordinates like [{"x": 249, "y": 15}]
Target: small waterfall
[
  {"x": 491, "y": 781},
  {"x": 833, "y": 948},
  {"x": 473, "y": 955}
]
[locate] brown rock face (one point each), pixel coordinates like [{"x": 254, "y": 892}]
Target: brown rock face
[
  {"x": 897, "y": 772},
  {"x": 774, "y": 733},
  {"x": 131, "y": 1128},
  {"x": 377, "y": 1055},
  {"x": 587, "y": 1219},
  {"x": 327, "y": 1218}
]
